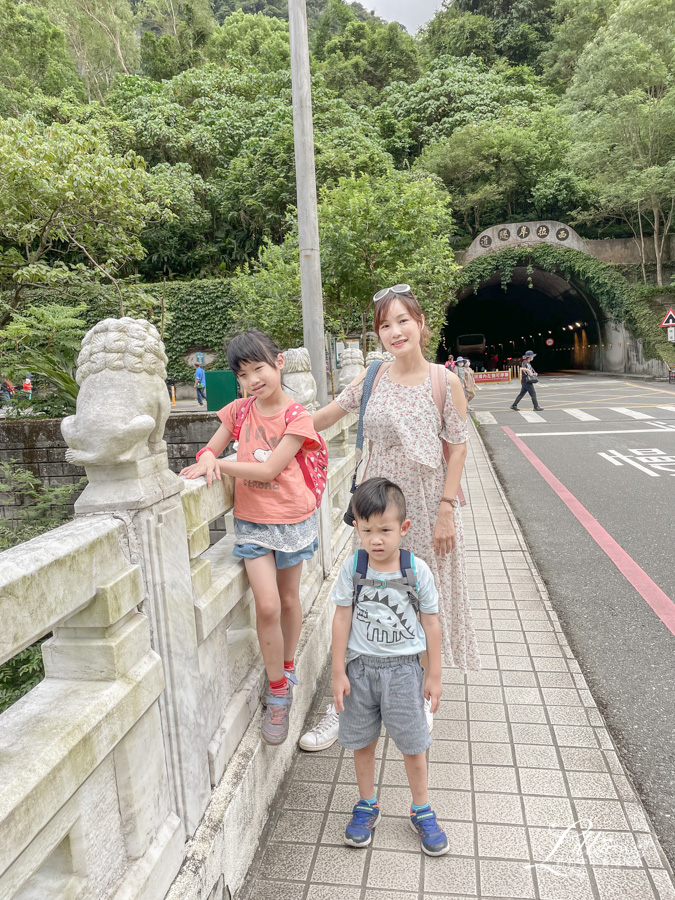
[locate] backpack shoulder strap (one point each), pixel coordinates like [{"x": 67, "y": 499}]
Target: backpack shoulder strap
[
  {"x": 359, "y": 573},
  {"x": 439, "y": 386},
  {"x": 410, "y": 577},
  {"x": 240, "y": 418},
  {"x": 372, "y": 375}
]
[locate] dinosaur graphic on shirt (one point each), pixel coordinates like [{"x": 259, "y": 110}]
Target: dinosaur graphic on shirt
[{"x": 385, "y": 619}]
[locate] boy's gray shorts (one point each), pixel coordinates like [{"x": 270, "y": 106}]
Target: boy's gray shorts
[{"x": 387, "y": 689}]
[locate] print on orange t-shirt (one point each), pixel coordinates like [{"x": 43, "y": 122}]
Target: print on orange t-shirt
[{"x": 286, "y": 499}]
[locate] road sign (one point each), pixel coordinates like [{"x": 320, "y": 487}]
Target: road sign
[
  {"x": 200, "y": 358},
  {"x": 671, "y": 333},
  {"x": 492, "y": 377},
  {"x": 549, "y": 342},
  {"x": 669, "y": 319}
]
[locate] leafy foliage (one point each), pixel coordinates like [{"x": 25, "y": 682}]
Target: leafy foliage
[
  {"x": 453, "y": 93},
  {"x": 33, "y": 58}
]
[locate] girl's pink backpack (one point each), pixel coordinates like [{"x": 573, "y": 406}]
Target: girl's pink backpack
[{"x": 313, "y": 463}]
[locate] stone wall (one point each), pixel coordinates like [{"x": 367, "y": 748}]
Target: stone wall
[{"x": 38, "y": 445}]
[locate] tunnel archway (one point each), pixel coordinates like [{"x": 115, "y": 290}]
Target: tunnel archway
[
  {"x": 520, "y": 297},
  {"x": 535, "y": 310}
]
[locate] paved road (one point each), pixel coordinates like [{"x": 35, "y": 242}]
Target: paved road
[{"x": 611, "y": 443}]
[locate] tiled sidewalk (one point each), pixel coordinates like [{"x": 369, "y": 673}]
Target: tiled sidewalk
[{"x": 522, "y": 771}]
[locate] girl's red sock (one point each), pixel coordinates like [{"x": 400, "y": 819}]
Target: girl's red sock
[
  {"x": 279, "y": 688},
  {"x": 289, "y": 666}
]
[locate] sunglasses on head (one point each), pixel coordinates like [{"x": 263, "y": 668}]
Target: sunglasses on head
[{"x": 395, "y": 289}]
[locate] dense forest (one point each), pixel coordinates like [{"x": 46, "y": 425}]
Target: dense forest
[{"x": 148, "y": 143}]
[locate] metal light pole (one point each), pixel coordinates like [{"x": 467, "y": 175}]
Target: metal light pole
[{"x": 305, "y": 176}]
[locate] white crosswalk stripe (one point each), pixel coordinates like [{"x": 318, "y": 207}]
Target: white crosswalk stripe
[
  {"x": 581, "y": 415},
  {"x": 485, "y": 418},
  {"x": 531, "y": 416},
  {"x": 633, "y": 413},
  {"x": 669, "y": 408}
]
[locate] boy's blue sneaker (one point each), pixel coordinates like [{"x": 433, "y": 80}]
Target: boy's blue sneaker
[
  {"x": 434, "y": 839},
  {"x": 359, "y": 832}
]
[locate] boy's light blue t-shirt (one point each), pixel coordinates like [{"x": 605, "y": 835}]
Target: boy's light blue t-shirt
[{"x": 384, "y": 622}]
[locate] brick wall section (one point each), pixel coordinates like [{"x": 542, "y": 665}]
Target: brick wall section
[{"x": 38, "y": 445}]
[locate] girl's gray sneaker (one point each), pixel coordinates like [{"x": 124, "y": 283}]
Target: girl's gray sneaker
[
  {"x": 324, "y": 734},
  {"x": 274, "y": 728},
  {"x": 264, "y": 691}
]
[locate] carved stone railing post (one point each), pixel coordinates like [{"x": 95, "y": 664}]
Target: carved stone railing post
[
  {"x": 351, "y": 362},
  {"x": 117, "y": 435},
  {"x": 297, "y": 377}
]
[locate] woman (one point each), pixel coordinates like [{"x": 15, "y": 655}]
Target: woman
[
  {"x": 403, "y": 424},
  {"x": 527, "y": 372}
]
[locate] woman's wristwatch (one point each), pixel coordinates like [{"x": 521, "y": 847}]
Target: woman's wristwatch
[{"x": 453, "y": 501}]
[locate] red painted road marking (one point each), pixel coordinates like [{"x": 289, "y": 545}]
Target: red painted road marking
[{"x": 659, "y": 601}]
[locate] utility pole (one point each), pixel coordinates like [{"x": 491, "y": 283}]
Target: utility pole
[{"x": 305, "y": 176}]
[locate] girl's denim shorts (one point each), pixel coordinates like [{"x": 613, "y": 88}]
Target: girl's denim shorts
[{"x": 283, "y": 560}]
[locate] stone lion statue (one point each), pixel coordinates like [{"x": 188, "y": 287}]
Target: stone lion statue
[
  {"x": 351, "y": 363},
  {"x": 123, "y": 403},
  {"x": 297, "y": 377}
]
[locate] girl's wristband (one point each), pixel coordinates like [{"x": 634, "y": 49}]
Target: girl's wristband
[{"x": 203, "y": 450}]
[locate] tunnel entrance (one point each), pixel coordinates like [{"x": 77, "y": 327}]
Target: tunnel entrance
[{"x": 538, "y": 311}]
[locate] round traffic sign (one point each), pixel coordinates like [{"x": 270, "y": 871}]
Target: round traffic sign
[{"x": 549, "y": 342}]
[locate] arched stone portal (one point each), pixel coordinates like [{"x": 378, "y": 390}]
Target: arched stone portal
[
  {"x": 567, "y": 307},
  {"x": 525, "y": 234}
]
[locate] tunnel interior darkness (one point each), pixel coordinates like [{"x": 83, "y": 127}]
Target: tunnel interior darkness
[{"x": 534, "y": 308}]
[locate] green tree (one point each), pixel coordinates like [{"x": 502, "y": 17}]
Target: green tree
[
  {"x": 243, "y": 40},
  {"x": 101, "y": 37},
  {"x": 374, "y": 231},
  {"x": 577, "y": 23},
  {"x": 33, "y": 58},
  {"x": 453, "y": 93},
  {"x": 506, "y": 170},
  {"x": 71, "y": 212},
  {"x": 522, "y": 28},
  {"x": 455, "y": 33},
  {"x": 623, "y": 99},
  {"x": 365, "y": 57},
  {"x": 174, "y": 36}
]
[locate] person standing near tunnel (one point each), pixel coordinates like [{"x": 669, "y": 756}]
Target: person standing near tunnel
[
  {"x": 528, "y": 378},
  {"x": 407, "y": 433}
]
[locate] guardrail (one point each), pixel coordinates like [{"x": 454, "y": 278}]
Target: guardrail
[{"x": 151, "y": 677}]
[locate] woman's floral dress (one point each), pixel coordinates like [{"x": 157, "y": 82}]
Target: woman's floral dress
[{"x": 405, "y": 429}]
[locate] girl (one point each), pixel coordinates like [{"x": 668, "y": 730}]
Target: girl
[
  {"x": 406, "y": 433},
  {"x": 274, "y": 510}
]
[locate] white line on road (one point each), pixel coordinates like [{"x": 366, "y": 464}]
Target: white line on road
[
  {"x": 582, "y": 433},
  {"x": 669, "y": 408},
  {"x": 611, "y": 459},
  {"x": 485, "y": 418},
  {"x": 580, "y": 414},
  {"x": 633, "y": 413},
  {"x": 530, "y": 416},
  {"x": 631, "y": 462}
]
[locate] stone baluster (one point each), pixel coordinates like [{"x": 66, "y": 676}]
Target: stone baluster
[{"x": 116, "y": 434}]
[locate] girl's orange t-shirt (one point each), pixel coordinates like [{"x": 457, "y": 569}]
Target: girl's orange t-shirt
[{"x": 286, "y": 499}]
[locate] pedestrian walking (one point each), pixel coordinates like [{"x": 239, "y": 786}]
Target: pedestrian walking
[
  {"x": 200, "y": 384},
  {"x": 275, "y": 525},
  {"x": 377, "y": 643},
  {"x": 468, "y": 381},
  {"x": 27, "y": 386},
  {"x": 528, "y": 378},
  {"x": 406, "y": 434},
  {"x": 450, "y": 364},
  {"x": 6, "y": 390}
]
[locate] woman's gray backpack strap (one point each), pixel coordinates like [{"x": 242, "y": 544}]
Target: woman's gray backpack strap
[{"x": 408, "y": 579}]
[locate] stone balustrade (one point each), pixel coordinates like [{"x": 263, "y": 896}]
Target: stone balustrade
[{"x": 140, "y": 748}]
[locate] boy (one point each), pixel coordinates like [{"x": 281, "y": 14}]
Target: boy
[{"x": 377, "y": 630}]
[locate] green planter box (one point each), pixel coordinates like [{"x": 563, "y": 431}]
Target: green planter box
[{"x": 221, "y": 389}]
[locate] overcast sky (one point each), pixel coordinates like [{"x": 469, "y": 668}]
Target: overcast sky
[{"x": 411, "y": 13}]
